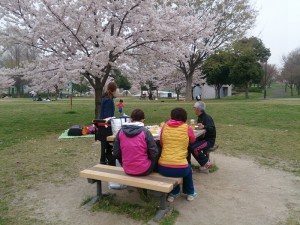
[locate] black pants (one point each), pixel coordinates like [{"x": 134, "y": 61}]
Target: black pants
[
  {"x": 106, "y": 154},
  {"x": 199, "y": 150}
]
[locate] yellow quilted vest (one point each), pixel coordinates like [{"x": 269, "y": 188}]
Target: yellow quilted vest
[{"x": 175, "y": 144}]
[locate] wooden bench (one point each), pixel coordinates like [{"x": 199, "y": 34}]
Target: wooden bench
[{"x": 155, "y": 182}]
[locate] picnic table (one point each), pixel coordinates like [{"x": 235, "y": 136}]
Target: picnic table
[
  {"x": 156, "y": 135},
  {"x": 158, "y": 184}
]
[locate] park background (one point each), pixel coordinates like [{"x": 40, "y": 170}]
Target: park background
[
  {"x": 67, "y": 51},
  {"x": 263, "y": 130}
]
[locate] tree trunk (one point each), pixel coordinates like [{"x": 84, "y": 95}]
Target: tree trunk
[
  {"x": 177, "y": 91},
  {"x": 98, "y": 96},
  {"x": 98, "y": 85},
  {"x": 189, "y": 81},
  {"x": 18, "y": 85},
  {"x": 246, "y": 91},
  {"x": 292, "y": 93},
  {"x": 56, "y": 92},
  {"x": 217, "y": 89},
  {"x": 177, "y": 94}
]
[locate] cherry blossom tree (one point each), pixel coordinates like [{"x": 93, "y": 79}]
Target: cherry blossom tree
[
  {"x": 90, "y": 38},
  {"x": 6, "y": 81},
  {"x": 12, "y": 56},
  {"x": 230, "y": 21},
  {"x": 175, "y": 81}
]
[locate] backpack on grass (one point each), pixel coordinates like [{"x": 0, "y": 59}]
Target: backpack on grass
[{"x": 75, "y": 130}]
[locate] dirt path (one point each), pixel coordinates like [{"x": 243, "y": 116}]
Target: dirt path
[{"x": 240, "y": 192}]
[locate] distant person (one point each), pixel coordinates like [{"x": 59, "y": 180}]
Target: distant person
[
  {"x": 175, "y": 138},
  {"x": 39, "y": 98},
  {"x": 135, "y": 147},
  {"x": 150, "y": 96},
  {"x": 120, "y": 106},
  {"x": 198, "y": 98},
  {"x": 199, "y": 148},
  {"x": 107, "y": 109},
  {"x": 33, "y": 95}
]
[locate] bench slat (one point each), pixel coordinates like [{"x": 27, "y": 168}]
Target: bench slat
[
  {"x": 152, "y": 177},
  {"x": 153, "y": 181},
  {"x": 117, "y": 168}
]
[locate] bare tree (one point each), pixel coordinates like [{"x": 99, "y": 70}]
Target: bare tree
[
  {"x": 271, "y": 73},
  {"x": 291, "y": 70}
]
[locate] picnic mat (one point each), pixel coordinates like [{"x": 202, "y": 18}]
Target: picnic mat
[{"x": 65, "y": 135}]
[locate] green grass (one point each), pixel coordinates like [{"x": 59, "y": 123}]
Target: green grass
[
  {"x": 141, "y": 212},
  {"x": 23, "y": 119},
  {"x": 134, "y": 211},
  {"x": 266, "y": 130}
]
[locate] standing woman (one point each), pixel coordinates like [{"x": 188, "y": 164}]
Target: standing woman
[{"x": 107, "y": 109}]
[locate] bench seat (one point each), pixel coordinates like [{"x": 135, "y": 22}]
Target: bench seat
[{"x": 155, "y": 182}]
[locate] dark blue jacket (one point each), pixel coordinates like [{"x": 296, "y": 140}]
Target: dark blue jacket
[{"x": 107, "y": 108}]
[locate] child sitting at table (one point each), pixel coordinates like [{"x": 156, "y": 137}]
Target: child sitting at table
[
  {"x": 174, "y": 139},
  {"x": 135, "y": 147}
]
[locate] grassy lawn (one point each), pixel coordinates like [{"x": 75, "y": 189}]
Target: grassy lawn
[{"x": 265, "y": 130}]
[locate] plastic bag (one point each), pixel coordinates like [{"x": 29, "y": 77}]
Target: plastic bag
[{"x": 116, "y": 123}]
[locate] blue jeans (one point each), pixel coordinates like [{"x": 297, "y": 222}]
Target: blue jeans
[{"x": 185, "y": 173}]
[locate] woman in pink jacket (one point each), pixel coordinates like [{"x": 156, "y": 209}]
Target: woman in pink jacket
[
  {"x": 135, "y": 147},
  {"x": 175, "y": 138}
]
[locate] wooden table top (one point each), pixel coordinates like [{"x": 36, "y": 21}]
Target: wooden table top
[{"x": 197, "y": 133}]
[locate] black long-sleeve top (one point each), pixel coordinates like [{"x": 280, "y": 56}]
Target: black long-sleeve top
[{"x": 209, "y": 126}]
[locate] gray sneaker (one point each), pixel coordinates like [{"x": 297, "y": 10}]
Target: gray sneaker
[
  {"x": 172, "y": 197},
  {"x": 191, "y": 196}
]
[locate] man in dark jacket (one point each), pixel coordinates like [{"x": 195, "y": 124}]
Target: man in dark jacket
[{"x": 199, "y": 148}]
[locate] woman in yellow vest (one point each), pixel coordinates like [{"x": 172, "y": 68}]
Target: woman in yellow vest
[{"x": 174, "y": 139}]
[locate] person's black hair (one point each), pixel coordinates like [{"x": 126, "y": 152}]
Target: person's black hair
[
  {"x": 179, "y": 114},
  {"x": 121, "y": 100},
  {"x": 137, "y": 115}
]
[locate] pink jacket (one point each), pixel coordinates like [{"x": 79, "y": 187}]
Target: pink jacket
[{"x": 135, "y": 146}]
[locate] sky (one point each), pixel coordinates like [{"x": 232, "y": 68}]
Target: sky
[{"x": 278, "y": 26}]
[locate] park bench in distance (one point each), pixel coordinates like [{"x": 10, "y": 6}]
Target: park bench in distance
[{"x": 155, "y": 182}]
